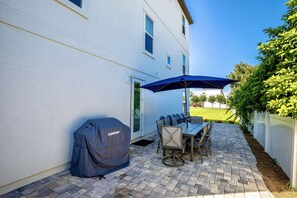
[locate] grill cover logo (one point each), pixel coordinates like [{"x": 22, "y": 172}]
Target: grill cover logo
[{"x": 113, "y": 133}]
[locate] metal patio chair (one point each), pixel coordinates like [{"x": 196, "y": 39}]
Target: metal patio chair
[
  {"x": 160, "y": 123},
  {"x": 200, "y": 144},
  {"x": 172, "y": 141},
  {"x": 178, "y": 118},
  {"x": 167, "y": 121},
  {"x": 196, "y": 119},
  {"x": 162, "y": 118},
  {"x": 182, "y": 117},
  {"x": 173, "y": 121},
  {"x": 208, "y": 137}
]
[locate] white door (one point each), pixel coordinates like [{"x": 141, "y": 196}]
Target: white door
[{"x": 136, "y": 109}]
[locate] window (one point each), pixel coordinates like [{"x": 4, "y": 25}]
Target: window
[
  {"x": 168, "y": 60},
  {"x": 184, "y": 64},
  {"x": 183, "y": 25},
  {"x": 77, "y": 2},
  {"x": 149, "y": 34}
]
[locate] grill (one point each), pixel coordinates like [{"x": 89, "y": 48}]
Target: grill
[{"x": 101, "y": 146}]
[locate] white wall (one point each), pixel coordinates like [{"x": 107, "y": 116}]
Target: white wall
[
  {"x": 61, "y": 65},
  {"x": 215, "y": 105}
]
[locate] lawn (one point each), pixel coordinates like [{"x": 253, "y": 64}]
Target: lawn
[{"x": 212, "y": 113}]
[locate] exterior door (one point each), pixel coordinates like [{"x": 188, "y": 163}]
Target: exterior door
[{"x": 136, "y": 109}]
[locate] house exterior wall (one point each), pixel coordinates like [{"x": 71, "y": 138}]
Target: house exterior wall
[{"x": 61, "y": 65}]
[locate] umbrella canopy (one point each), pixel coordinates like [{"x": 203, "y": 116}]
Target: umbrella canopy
[{"x": 188, "y": 81}]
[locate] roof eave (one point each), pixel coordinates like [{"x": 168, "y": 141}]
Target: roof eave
[{"x": 185, "y": 9}]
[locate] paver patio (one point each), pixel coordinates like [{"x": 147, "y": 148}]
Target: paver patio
[{"x": 230, "y": 172}]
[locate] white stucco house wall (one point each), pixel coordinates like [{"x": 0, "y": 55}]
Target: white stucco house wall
[{"x": 65, "y": 61}]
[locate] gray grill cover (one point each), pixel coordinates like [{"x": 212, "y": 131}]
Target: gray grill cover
[{"x": 100, "y": 146}]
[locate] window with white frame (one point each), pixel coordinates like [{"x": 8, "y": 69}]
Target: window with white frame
[
  {"x": 184, "y": 64},
  {"x": 77, "y": 2},
  {"x": 149, "y": 34},
  {"x": 183, "y": 25}
]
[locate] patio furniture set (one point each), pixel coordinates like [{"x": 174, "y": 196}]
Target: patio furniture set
[{"x": 181, "y": 134}]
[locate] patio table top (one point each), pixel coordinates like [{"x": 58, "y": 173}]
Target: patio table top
[{"x": 192, "y": 129}]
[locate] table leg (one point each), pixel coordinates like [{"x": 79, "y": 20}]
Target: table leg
[{"x": 192, "y": 148}]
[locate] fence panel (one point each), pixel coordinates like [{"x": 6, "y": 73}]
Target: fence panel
[
  {"x": 281, "y": 143},
  {"x": 259, "y": 127}
]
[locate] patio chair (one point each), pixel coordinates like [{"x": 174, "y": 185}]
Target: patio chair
[
  {"x": 178, "y": 118},
  {"x": 162, "y": 118},
  {"x": 182, "y": 117},
  {"x": 188, "y": 114},
  {"x": 196, "y": 119},
  {"x": 187, "y": 117},
  {"x": 167, "y": 121},
  {"x": 174, "y": 121},
  {"x": 172, "y": 141},
  {"x": 207, "y": 137},
  {"x": 201, "y": 144},
  {"x": 160, "y": 123}
]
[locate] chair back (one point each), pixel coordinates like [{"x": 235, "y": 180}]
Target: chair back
[
  {"x": 160, "y": 123},
  {"x": 174, "y": 121},
  {"x": 162, "y": 118},
  {"x": 196, "y": 119},
  {"x": 205, "y": 131},
  {"x": 178, "y": 118},
  {"x": 167, "y": 121},
  {"x": 187, "y": 117},
  {"x": 182, "y": 117},
  {"x": 172, "y": 137},
  {"x": 170, "y": 117},
  {"x": 210, "y": 128}
]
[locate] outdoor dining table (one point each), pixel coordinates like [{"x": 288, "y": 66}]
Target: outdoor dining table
[{"x": 191, "y": 130}]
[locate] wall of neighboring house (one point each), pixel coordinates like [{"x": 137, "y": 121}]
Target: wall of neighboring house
[{"x": 61, "y": 64}]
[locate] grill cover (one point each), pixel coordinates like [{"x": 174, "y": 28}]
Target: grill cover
[{"x": 100, "y": 146}]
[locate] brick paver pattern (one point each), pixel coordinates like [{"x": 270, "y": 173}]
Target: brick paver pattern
[{"x": 230, "y": 172}]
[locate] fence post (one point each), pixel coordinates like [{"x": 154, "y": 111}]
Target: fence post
[
  {"x": 294, "y": 157},
  {"x": 267, "y": 132}
]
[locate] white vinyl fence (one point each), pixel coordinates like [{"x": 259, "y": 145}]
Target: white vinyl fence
[
  {"x": 278, "y": 136},
  {"x": 259, "y": 127}
]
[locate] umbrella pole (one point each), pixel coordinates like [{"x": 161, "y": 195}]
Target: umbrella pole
[{"x": 186, "y": 99}]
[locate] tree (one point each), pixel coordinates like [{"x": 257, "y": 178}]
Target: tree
[
  {"x": 272, "y": 86},
  {"x": 203, "y": 98},
  {"x": 280, "y": 54},
  {"x": 191, "y": 94},
  {"x": 240, "y": 73},
  {"x": 212, "y": 99},
  {"x": 282, "y": 92},
  {"x": 221, "y": 99},
  {"x": 237, "y": 97},
  {"x": 195, "y": 100}
]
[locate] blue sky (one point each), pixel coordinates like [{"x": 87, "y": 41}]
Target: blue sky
[{"x": 226, "y": 32}]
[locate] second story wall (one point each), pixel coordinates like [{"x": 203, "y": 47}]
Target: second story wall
[{"x": 113, "y": 30}]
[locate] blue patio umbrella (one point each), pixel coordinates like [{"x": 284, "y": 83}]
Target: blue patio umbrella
[{"x": 188, "y": 81}]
